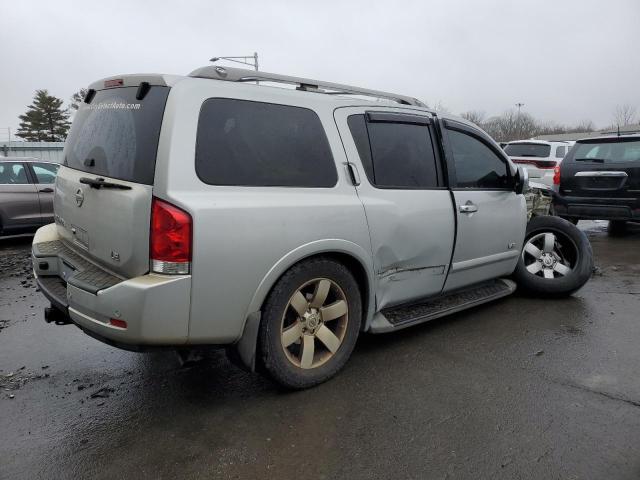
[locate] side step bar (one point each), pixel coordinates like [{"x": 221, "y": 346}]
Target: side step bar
[{"x": 403, "y": 316}]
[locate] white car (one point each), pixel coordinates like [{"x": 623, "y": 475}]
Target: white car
[{"x": 538, "y": 157}]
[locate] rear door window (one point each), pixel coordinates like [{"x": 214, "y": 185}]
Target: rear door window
[
  {"x": 45, "y": 172},
  {"x": 246, "y": 143},
  {"x": 116, "y": 135},
  {"x": 395, "y": 154},
  {"x": 13, "y": 174}
]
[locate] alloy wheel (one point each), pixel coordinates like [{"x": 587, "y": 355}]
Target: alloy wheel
[
  {"x": 549, "y": 255},
  {"x": 314, "y": 323}
]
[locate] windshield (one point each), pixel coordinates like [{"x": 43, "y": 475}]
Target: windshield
[
  {"x": 608, "y": 152},
  {"x": 116, "y": 135},
  {"x": 527, "y": 150}
]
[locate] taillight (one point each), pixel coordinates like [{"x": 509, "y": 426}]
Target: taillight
[
  {"x": 556, "y": 175},
  {"x": 118, "y": 323},
  {"x": 541, "y": 164},
  {"x": 170, "y": 239}
]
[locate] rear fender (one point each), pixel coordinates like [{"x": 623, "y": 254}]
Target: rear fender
[{"x": 244, "y": 350}]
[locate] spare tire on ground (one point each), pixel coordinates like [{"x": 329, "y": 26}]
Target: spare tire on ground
[{"x": 556, "y": 259}]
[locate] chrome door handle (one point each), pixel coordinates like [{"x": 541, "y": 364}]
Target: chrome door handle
[{"x": 468, "y": 208}]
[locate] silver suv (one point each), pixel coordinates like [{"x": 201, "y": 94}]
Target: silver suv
[{"x": 223, "y": 209}]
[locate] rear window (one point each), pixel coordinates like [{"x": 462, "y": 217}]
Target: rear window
[
  {"x": 527, "y": 150},
  {"x": 607, "y": 152},
  {"x": 246, "y": 143},
  {"x": 117, "y": 135}
]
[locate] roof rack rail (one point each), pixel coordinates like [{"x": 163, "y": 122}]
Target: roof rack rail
[{"x": 230, "y": 74}]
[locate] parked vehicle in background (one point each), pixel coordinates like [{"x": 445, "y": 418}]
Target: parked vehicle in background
[
  {"x": 539, "y": 157},
  {"x": 600, "y": 179},
  {"x": 26, "y": 194},
  {"x": 282, "y": 222}
]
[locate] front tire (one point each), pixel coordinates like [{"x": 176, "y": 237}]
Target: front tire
[
  {"x": 310, "y": 323},
  {"x": 556, "y": 259}
]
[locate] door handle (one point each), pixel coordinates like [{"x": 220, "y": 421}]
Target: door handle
[
  {"x": 353, "y": 174},
  {"x": 468, "y": 208},
  {"x": 46, "y": 190}
]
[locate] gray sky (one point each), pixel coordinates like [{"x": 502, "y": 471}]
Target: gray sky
[{"x": 566, "y": 60}]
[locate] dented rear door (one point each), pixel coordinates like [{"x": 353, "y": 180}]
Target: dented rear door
[{"x": 409, "y": 211}]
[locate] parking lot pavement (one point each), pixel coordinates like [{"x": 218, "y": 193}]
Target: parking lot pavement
[{"x": 521, "y": 388}]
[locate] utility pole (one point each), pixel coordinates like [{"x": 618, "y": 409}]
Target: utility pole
[
  {"x": 251, "y": 60},
  {"x": 519, "y": 105}
]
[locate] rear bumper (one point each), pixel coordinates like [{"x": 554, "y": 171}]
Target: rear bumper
[
  {"x": 155, "y": 307},
  {"x": 595, "y": 208}
]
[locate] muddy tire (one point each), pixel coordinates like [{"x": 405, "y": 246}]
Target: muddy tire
[
  {"x": 310, "y": 323},
  {"x": 556, "y": 259}
]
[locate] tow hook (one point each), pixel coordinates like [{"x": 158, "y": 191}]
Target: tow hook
[{"x": 53, "y": 315}]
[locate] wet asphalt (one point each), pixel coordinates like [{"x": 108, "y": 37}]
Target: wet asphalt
[{"x": 521, "y": 388}]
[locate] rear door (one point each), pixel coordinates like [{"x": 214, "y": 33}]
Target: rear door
[
  {"x": 19, "y": 205},
  {"x": 491, "y": 218},
  {"x": 602, "y": 168},
  {"x": 399, "y": 178},
  {"x": 113, "y": 141},
  {"x": 44, "y": 176}
]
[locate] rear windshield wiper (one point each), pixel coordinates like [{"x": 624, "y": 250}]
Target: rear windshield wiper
[
  {"x": 597, "y": 160},
  {"x": 101, "y": 183}
]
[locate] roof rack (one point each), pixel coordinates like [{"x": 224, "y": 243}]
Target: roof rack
[{"x": 306, "y": 84}]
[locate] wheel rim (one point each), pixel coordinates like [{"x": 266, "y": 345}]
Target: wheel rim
[
  {"x": 314, "y": 323},
  {"x": 550, "y": 255}
]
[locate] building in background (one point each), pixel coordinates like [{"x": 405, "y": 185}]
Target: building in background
[
  {"x": 564, "y": 137},
  {"x": 49, "y": 151}
]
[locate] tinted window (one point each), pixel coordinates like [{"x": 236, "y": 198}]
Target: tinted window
[
  {"x": 262, "y": 144},
  {"x": 561, "y": 152},
  {"x": 395, "y": 155},
  {"x": 12, "y": 174},
  {"x": 607, "y": 152},
  {"x": 527, "y": 150},
  {"x": 477, "y": 165},
  {"x": 117, "y": 135},
  {"x": 45, "y": 172}
]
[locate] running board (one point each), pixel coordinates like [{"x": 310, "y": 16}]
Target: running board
[{"x": 403, "y": 316}]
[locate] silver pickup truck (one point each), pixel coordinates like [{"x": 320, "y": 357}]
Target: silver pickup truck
[{"x": 280, "y": 217}]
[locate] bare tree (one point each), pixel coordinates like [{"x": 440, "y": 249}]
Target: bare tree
[
  {"x": 583, "y": 126},
  {"x": 474, "y": 116},
  {"x": 439, "y": 106},
  {"x": 511, "y": 125},
  {"x": 77, "y": 98},
  {"x": 624, "y": 115}
]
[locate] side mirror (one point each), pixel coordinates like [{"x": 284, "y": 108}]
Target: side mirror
[{"x": 522, "y": 181}]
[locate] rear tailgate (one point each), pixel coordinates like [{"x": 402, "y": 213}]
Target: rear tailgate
[
  {"x": 103, "y": 197},
  {"x": 535, "y": 157},
  {"x": 605, "y": 168},
  {"x": 109, "y": 226}
]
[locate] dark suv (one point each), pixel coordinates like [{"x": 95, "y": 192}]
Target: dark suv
[{"x": 600, "y": 179}]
